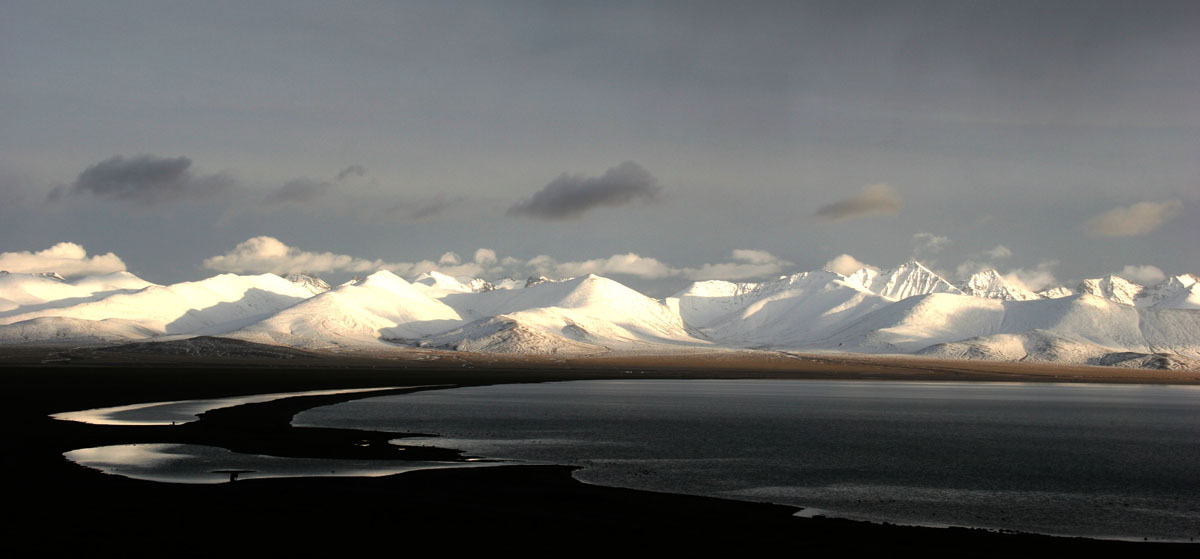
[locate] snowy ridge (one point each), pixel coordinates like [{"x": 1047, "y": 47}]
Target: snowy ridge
[
  {"x": 787, "y": 311},
  {"x": 1176, "y": 292},
  {"x": 216, "y": 304},
  {"x": 908, "y": 309},
  {"x": 56, "y": 330},
  {"x": 27, "y": 290},
  {"x": 991, "y": 285},
  {"x": 504, "y": 334},
  {"x": 355, "y": 314},
  {"x": 1056, "y": 292},
  {"x": 312, "y": 284},
  {"x": 591, "y": 309},
  {"x": 982, "y": 328},
  {"x": 1112, "y": 288},
  {"x": 903, "y": 281}
]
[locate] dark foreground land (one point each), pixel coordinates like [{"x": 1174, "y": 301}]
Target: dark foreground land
[{"x": 58, "y": 506}]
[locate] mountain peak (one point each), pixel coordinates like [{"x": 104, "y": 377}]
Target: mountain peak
[
  {"x": 1173, "y": 291},
  {"x": 51, "y": 275},
  {"x": 906, "y": 280},
  {"x": 311, "y": 283},
  {"x": 386, "y": 280},
  {"x": 1113, "y": 288},
  {"x": 990, "y": 284}
]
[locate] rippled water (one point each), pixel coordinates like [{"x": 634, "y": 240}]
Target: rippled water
[{"x": 1094, "y": 460}]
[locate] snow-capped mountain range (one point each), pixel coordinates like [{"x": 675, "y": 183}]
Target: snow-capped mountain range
[{"x": 908, "y": 309}]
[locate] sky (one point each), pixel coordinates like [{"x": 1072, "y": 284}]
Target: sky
[{"x": 656, "y": 143}]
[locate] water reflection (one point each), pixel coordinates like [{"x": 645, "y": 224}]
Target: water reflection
[
  {"x": 185, "y": 411},
  {"x": 185, "y": 463}
]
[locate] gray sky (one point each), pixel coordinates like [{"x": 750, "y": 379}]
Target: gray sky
[{"x": 643, "y": 141}]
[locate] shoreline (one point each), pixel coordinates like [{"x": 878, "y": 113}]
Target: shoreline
[{"x": 522, "y": 501}]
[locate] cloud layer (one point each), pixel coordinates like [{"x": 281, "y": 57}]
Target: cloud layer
[
  {"x": 66, "y": 259},
  {"x": 872, "y": 199},
  {"x": 148, "y": 180},
  {"x": 1139, "y": 219},
  {"x": 270, "y": 255},
  {"x": 570, "y": 196}
]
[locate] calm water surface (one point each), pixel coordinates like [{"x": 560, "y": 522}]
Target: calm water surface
[{"x": 1093, "y": 460}]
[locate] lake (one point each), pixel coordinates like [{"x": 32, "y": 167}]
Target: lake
[{"x": 1112, "y": 461}]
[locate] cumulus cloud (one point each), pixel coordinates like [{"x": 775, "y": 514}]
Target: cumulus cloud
[
  {"x": 1145, "y": 275},
  {"x": 1034, "y": 279},
  {"x": 570, "y": 196},
  {"x": 450, "y": 259},
  {"x": 751, "y": 256},
  {"x": 146, "y": 179},
  {"x": 745, "y": 264},
  {"x": 629, "y": 264},
  {"x": 66, "y": 259},
  {"x": 486, "y": 257},
  {"x": 872, "y": 199},
  {"x": 270, "y": 255},
  {"x": 1131, "y": 221},
  {"x": 845, "y": 265}
]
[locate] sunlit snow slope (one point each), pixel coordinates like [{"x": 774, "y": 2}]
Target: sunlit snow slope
[{"x": 908, "y": 309}]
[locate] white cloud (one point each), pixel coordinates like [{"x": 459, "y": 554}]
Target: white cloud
[
  {"x": 485, "y": 257},
  {"x": 629, "y": 264},
  {"x": 1138, "y": 219},
  {"x": 450, "y": 259},
  {"x": 746, "y": 264},
  {"x": 270, "y": 255},
  {"x": 845, "y": 265},
  {"x": 66, "y": 259},
  {"x": 1145, "y": 275},
  {"x": 1034, "y": 279},
  {"x": 751, "y": 256}
]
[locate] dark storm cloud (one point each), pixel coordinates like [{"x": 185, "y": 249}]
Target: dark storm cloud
[
  {"x": 570, "y": 196},
  {"x": 356, "y": 170},
  {"x": 146, "y": 179},
  {"x": 299, "y": 190},
  {"x": 873, "y": 199}
]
